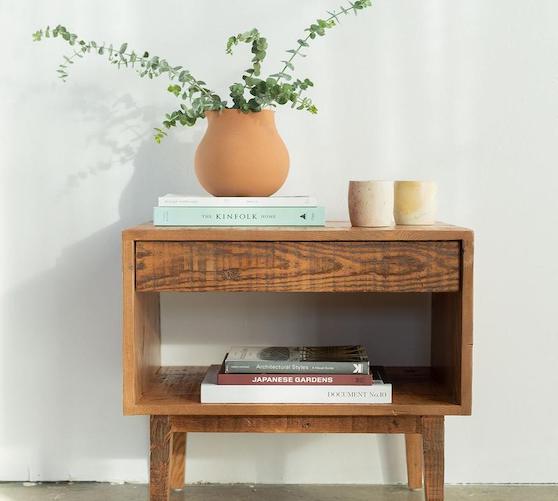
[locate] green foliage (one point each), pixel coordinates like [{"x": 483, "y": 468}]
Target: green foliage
[
  {"x": 253, "y": 94},
  {"x": 258, "y": 50}
]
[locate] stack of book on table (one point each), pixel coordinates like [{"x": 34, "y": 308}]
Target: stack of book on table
[
  {"x": 180, "y": 210},
  {"x": 295, "y": 375}
]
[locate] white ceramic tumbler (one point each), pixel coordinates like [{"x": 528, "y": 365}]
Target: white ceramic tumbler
[
  {"x": 371, "y": 203},
  {"x": 415, "y": 202}
]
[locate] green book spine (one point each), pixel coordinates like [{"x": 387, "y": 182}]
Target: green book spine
[{"x": 239, "y": 216}]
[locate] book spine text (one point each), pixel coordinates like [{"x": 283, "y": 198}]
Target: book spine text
[
  {"x": 241, "y": 216},
  {"x": 289, "y": 367},
  {"x": 294, "y": 379},
  {"x": 303, "y": 394}
]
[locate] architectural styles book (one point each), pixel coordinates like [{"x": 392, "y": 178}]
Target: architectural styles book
[
  {"x": 239, "y": 216},
  {"x": 379, "y": 392},
  {"x": 297, "y": 359},
  {"x": 172, "y": 200}
]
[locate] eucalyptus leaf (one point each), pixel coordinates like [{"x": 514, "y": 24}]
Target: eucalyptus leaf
[{"x": 288, "y": 64}]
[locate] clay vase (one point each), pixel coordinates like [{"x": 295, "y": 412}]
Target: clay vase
[{"x": 241, "y": 154}]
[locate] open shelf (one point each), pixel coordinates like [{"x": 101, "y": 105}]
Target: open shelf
[
  {"x": 176, "y": 391},
  {"x": 435, "y": 260}
]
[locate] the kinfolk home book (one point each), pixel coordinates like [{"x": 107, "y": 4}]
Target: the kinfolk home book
[{"x": 238, "y": 216}]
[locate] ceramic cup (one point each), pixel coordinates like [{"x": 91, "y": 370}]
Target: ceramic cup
[
  {"x": 415, "y": 202},
  {"x": 371, "y": 203}
]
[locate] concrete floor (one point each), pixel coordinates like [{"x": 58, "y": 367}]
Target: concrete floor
[{"x": 88, "y": 491}]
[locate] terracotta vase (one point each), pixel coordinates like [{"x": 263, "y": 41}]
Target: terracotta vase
[{"x": 241, "y": 155}]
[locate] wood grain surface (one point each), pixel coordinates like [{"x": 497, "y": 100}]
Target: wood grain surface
[
  {"x": 141, "y": 340},
  {"x": 414, "y": 453},
  {"x": 178, "y": 460},
  {"x": 445, "y": 340},
  {"x": 466, "y": 326},
  {"x": 332, "y": 231},
  {"x": 160, "y": 458},
  {"x": 298, "y": 266},
  {"x": 297, "y": 424},
  {"x": 433, "y": 446}
]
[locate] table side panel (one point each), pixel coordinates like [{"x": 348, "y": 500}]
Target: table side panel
[
  {"x": 467, "y": 325},
  {"x": 375, "y": 266},
  {"x": 141, "y": 336},
  {"x": 452, "y": 334}
]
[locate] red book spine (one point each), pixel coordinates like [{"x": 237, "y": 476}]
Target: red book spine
[{"x": 295, "y": 379}]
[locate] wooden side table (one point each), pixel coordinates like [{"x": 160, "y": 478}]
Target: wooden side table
[{"x": 435, "y": 260}]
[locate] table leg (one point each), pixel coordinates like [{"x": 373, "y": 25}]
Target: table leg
[
  {"x": 413, "y": 448},
  {"x": 433, "y": 445},
  {"x": 178, "y": 460},
  {"x": 160, "y": 458}
]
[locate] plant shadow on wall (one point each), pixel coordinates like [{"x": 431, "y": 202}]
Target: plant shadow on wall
[{"x": 63, "y": 354}]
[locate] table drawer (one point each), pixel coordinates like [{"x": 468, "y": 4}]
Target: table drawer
[{"x": 378, "y": 266}]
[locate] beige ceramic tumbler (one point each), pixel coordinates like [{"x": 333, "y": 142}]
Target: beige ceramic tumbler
[
  {"x": 371, "y": 203},
  {"x": 415, "y": 202}
]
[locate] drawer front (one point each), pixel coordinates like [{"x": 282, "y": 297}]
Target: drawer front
[{"x": 432, "y": 266}]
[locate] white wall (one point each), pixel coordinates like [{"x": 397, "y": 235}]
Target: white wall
[{"x": 465, "y": 93}]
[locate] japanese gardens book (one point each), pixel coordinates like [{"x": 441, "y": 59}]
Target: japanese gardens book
[
  {"x": 297, "y": 359},
  {"x": 379, "y": 392},
  {"x": 295, "y": 379}
]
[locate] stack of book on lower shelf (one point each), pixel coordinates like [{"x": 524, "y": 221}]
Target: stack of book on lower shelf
[
  {"x": 181, "y": 210},
  {"x": 296, "y": 375}
]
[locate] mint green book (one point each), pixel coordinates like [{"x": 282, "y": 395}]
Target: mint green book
[{"x": 239, "y": 216}]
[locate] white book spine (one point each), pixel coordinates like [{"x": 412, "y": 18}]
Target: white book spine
[
  {"x": 212, "y": 393},
  {"x": 184, "y": 201}
]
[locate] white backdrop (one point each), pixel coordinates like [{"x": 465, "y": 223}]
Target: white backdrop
[{"x": 465, "y": 93}]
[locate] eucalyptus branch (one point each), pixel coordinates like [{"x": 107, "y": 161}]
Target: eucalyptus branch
[
  {"x": 153, "y": 66},
  {"x": 259, "y": 46},
  {"x": 201, "y": 98},
  {"x": 319, "y": 29},
  {"x": 265, "y": 92},
  {"x": 196, "y": 97}
]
